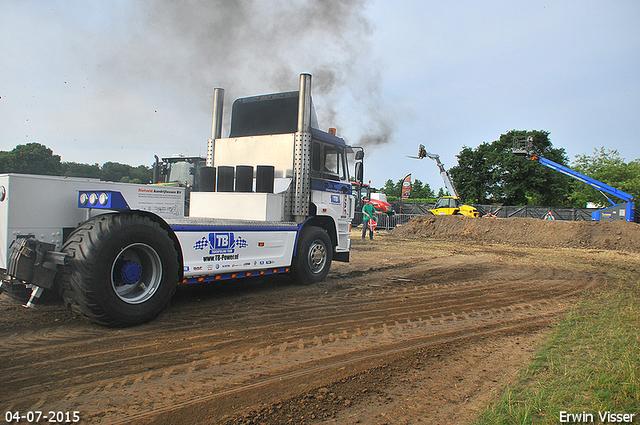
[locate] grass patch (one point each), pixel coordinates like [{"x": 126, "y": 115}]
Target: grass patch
[{"x": 591, "y": 363}]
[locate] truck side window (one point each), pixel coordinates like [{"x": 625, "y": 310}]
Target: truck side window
[
  {"x": 315, "y": 157},
  {"x": 331, "y": 163},
  {"x": 334, "y": 162},
  {"x": 345, "y": 166}
]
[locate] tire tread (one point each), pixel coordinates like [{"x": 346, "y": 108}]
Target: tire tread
[{"x": 83, "y": 247}]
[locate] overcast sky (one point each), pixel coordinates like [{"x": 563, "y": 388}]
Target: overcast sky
[{"x": 122, "y": 80}]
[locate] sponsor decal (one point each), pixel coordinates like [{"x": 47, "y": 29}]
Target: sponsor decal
[
  {"x": 197, "y": 268},
  {"x": 221, "y": 257},
  {"x": 161, "y": 191},
  {"x": 220, "y": 243},
  {"x": 330, "y": 186},
  {"x": 186, "y": 268},
  {"x": 335, "y": 199}
]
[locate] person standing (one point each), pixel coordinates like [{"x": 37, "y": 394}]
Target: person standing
[{"x": 367, "y": 214}]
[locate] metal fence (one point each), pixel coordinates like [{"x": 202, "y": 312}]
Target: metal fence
[
  {"x": 566, "y": 214},
  {"x": 405, "y": 212},
  {"x": 384, "y": 221},
  {"x": 500, "y": 211}
]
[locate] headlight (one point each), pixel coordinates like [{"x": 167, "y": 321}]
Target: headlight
[{"x": 103, "y": 199}]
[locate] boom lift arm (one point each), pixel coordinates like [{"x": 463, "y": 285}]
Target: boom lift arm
[
  {"x": 446, "y": 178},
  {"x": 599, "y": 186},
  {"x": 446, "y": 205},
  {"x": 524, "y": 147}
]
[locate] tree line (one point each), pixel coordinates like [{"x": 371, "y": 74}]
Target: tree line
[
  {"x": 35, "y": 158},
  {"x": 492, "y": 174},
  {"x": 487, "y": 174}
]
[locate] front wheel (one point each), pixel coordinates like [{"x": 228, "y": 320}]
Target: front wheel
[
  {"x": 122, "y": 270},
  {"x": 313, "y": 255}
]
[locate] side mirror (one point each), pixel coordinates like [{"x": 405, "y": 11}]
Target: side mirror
[
  {"x": 359, "y": 155},
  {"x": 359, "y": 172}
]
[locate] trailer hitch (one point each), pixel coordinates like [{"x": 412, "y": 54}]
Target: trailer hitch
[{"x": 36, "y": 291}]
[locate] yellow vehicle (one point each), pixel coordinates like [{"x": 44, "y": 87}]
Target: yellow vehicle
[
  {"x": 447, "y": 205},
  {"x": 450, "y": 205}
]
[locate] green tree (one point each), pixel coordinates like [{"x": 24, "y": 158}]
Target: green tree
[
  {"x": 142, "y": 174},
  {"x": 113, "y": 171},
  {"x": 607, "y": 167},
  {"x": 392, "y": 189},
  {"x": 35, "y": 158},
  {"x": 32, "y": 158},
  {"x": 74, "y": 169},
  {"x": 473, "y": 176},
  {"x": 493, "y": 174},
  {"x": 416, "y": 189},
  {"x": 420, "y": 190}
]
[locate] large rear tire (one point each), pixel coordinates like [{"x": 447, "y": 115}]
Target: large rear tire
[
  {"x": 122, "y": 270},
  {"x": 313, "y": 255}
]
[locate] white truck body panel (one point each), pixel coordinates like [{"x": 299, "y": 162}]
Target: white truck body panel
[
  {"x": 250, "y": 150},
  {"x": 235, "y": 205},
  {"x": 44, "y": 206},
  {"x": 234, "y": 247}
]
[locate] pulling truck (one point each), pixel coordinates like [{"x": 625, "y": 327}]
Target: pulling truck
[{"x": 281, "y": 202}]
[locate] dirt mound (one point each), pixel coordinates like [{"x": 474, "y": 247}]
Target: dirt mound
[{"x": 616, "y": 235}]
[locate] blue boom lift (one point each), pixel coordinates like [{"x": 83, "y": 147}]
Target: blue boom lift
[{"x": 621, "y": 211}]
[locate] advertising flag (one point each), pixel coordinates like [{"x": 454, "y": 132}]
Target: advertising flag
[{"x": 406, "y": 187}]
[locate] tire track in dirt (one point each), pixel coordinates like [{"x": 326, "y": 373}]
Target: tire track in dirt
[
  {"x": 42, "y": 340},
  {"x": 406, "y": 297},
  {"x": 188, "y": 361},
  {"x": 157, "y": 416}
]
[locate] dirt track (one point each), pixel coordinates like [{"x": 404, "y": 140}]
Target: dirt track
[{"x": 411, "y": 331}]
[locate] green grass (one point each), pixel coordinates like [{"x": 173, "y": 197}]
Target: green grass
[{"x": 590, "y": 363}]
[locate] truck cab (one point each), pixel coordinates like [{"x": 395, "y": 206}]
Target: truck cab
[{"x": 309, "y": 165}]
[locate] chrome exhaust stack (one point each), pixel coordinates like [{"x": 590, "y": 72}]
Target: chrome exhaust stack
[
  {"x": 216, "y": 123},
  {"x": 302, "y": 154}
]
